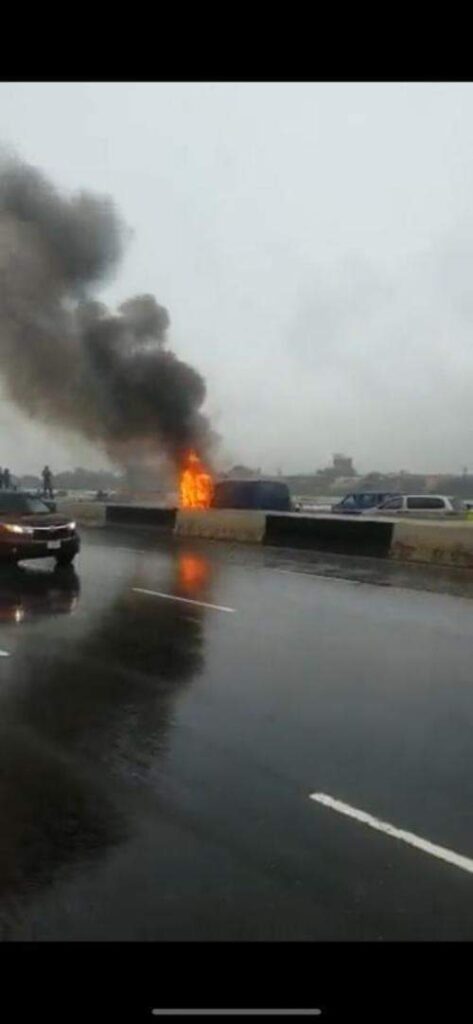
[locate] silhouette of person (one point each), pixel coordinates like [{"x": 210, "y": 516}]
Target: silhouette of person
[{"x": 47, "y": 482}]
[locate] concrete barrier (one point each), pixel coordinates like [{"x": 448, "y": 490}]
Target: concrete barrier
[
  {"x": 141, "y": 515},
  {"x": 447, "y": 543},
  {"x": 85, "y": 513},
  {"x": 341, "y": 535},
  {"x": 441, "y": 543},
  {"x": 222, "y": 524}
]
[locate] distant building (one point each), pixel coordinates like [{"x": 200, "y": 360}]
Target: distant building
[
  {"x": 343, "y": 465},
  {"x": 432, "y": 483}
]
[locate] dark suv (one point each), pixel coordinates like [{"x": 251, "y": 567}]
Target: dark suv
[{"x": 28, "y": 529}]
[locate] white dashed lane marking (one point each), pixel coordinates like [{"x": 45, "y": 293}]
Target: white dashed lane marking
[
  {"x": 441, "y": 852},
  {"x": 185, "y": 600}
]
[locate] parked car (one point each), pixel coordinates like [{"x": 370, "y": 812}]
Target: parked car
[
  {"x": 362, "y": 501},
  {"x": 428, "y": 505},
  {"x": 28, "y": 529}
]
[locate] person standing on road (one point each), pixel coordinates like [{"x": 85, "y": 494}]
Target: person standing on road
[
  {"x": 47, "y": 482},
  {"x": 6, "y": 479}
]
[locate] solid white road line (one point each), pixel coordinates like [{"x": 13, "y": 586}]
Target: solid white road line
[
  {"x": 441, "y": 852},
  {"x": 186, "y": 600},
  {"x": 4, "y": 654}
]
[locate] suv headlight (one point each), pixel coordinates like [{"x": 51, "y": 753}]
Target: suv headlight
[
  {"x": 71, "y": 526},
  {"x": 14, "y": 528}
]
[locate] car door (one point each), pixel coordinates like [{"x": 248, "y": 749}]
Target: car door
[
  {"x": 347, "y": 505},
  {"x": 391, "y": 507}
]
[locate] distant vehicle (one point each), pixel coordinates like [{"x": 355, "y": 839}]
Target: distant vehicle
[
  {"x": 428, "y": 505},
  {"x": 28, "y": 529},
  {"x": 361, "y": 501},
  {"x": 267, "y": 495},
  {"x": 102, "y": 495},
  {"x": 311, "y": 505}
]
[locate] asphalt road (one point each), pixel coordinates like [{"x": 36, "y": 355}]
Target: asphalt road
[{"x": 157, "y": 756}]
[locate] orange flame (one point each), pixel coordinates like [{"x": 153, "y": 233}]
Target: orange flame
[{"x": 195, "y": 484}]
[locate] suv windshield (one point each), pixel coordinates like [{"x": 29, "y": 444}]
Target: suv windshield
[{"x": 22, "y": 504}]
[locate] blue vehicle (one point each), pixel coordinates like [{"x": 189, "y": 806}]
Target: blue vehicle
[
  {"x": 268, "y": 495},
  {"x": 360, "y": 501}
]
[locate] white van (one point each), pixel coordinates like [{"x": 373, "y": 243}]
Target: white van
[{"x": 423, "y": 505}]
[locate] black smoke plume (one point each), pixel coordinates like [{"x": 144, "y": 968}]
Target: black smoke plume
[{"x": 65, "y": 358}]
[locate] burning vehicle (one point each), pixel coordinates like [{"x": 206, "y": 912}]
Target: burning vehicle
[
  {"x": 198, "y": 490},
  {"x": 266, "y": 495}
]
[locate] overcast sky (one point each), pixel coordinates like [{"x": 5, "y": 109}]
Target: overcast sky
[{"x": 314, "y": 247}]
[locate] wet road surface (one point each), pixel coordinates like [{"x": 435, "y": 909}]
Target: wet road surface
[{"x": 158, "y": 756}]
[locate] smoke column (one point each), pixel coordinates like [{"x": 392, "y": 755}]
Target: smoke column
[{"x": 65, "y": 358}]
